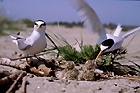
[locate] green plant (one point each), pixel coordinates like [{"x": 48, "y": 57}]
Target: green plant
[
  {"x": 7, "y": 24},
  {"x": 109, "y": 63},
  {"x": 110, "y": 57},
  {"x": 28, "y": 22},
  {"x": 90, "y": 52},
  {"x": 70, "y": 54}
]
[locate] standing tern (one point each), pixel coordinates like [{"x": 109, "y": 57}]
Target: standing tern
[
  {"x": 107, "y": 42},
  {"x": 33, "y": 44}
]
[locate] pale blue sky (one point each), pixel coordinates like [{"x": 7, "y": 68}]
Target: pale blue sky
[{"x": 115, "y": 11}]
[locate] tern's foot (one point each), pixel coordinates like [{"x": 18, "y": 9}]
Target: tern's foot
[
  {"x": 39, "y": 58},
  {"x": 28, "y": 61}
]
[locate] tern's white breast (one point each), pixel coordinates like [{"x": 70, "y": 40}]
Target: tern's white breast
[{"x": 38, "y": 43}]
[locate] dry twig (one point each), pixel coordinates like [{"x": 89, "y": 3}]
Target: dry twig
[
  {"x": 7, "y": 79},
  {"x": 15, "y": 64},
  {"x": 41, "y": 66},
  {"x": 36, "y": 71},
  {"x": 23, "y": 86},
  {"x": 41, "y": 71},
  {"x": 13, "y": 85}
]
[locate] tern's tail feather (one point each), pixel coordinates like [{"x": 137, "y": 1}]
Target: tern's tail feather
[
  {"x": 16, "y": 37},
  {"x": 131, "y": 32},
  {"x": 118, "y": 30}
]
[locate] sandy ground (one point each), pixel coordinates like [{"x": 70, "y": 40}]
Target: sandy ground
[
  {"x": 8, "y": 48},
  {"x": 42, "y": 85},
  {"x": 61, "y": 86}
]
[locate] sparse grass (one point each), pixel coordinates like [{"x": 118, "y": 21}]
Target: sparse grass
[
  {"x": 111, "y": 26},
  {"x": 88, "y": 52},
  {"x": 28, "y": 22},
  {"x": 7, "y": 24},
  {"x": 67, "y": 24}
]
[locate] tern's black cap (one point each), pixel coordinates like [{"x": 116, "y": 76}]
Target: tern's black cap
[
  {"x": 108, "y": 42},
  {"x": 43, "y": 22}
]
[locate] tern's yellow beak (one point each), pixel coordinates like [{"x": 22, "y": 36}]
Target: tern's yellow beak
[
  {"x": 101, "y": 52},
  {"x": 39, "y": 26}
]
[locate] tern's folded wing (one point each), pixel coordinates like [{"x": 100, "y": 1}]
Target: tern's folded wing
[
  {"x": 22, "y": 45},
  {"x": 89, "y": 17}
]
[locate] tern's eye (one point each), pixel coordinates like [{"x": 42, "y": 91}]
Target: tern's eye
[
  {"x": 108, "y": 42},
  {"x": 105, "y": 43},
  {"x": 35, "y": 23}
]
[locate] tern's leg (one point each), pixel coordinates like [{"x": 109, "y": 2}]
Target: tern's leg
[
  {"x": 28, "y": 61},
  {"x": 37, "y": 57}
]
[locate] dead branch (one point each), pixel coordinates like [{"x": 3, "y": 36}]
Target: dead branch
[
  {"x": 10, "y": 78},
  {"x": 4, "y": 73},
  {"x": 15, "y": 64},
  {"x": 46, "y": 52},
  {"x": 13, "y": 59},
  {"x": 23, "y": 86},
  {"x": 41, "y": 66},
  {"x": 12, "y": 86},
  {"x": 36, "y": 71},
  {"x": 41, "y": 71}
]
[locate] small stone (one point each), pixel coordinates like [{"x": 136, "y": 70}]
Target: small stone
[
  {"x": 70, "y": 65},
  {"x": 98, "y": 71},
  {"x": 63, "y": 90},
  {"x": 89, "y": 65},
  {"x": 115, "y": 84},
  {"x": 38, "y": 87},
  {"x": 88, "y": 75},
  {"x": 72, "y": 74}
]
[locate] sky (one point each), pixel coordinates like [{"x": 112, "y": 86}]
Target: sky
[{"x": 124, "y": 12}]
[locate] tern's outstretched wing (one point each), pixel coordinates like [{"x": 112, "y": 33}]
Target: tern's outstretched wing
[
  {"x": 89, "y": 17},
  {"x": 22, "y": 45},
  {"x": 118, "y": 30},
  {"x": 131, "y": 32}
]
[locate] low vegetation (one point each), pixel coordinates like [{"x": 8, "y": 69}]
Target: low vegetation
[
  {"x": 108, "y": 62},
  {"x": 7, "y": 24},
  {"x": 80, "y": 24}
]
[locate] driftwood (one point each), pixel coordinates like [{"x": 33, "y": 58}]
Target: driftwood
[
  {"x": 41, "y": 66},
  {"x": 41, "y": 71},
  {"x": 23, "y": 86},
  {"x": 9, "y": 78},
  {"x": 4, "y": 73},
  {"x": 13, "y": 85},
  {"x": 15, "y": 64},
  {"x": 36, "y": 71}
]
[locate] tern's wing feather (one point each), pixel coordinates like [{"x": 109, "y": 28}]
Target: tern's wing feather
[
  {"x": 22, "y": 45},
  {"x": 89, "y": 17},
  {"x": 131, "y": 32},
  {"x": 118, "y": 30}
]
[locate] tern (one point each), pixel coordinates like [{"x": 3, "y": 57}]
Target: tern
[
  {"x": 91, "y": 22},
  {"x": 33, "y": 44}
]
